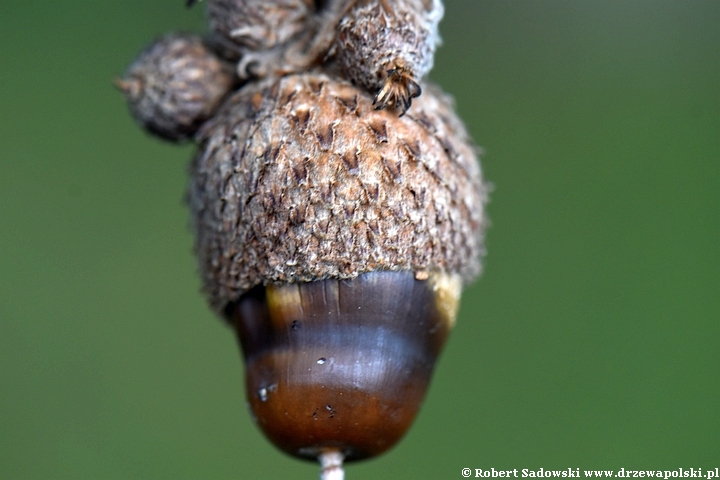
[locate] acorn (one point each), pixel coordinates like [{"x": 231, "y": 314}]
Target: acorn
[
  {"x": 388, "y": 47},
  {"x": 176, "y": 84},
  {"x": 335, "y": 239},
  {"x": 332, "y": 234}
]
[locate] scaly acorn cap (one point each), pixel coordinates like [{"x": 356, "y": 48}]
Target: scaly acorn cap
[
  {"x": 299, "y": 178},
  {"x": 175, "y": 84}
]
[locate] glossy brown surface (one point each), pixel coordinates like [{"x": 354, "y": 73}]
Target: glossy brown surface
[{"x": 340, "y": 364}]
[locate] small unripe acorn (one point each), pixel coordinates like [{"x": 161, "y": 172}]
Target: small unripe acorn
[
  {"x": 259, "y": 32},
  {"x": 335, "y": 239},
  {"x": 388, "y": 47},
  {"x": 259, "y": 24},
  {"x": 175, "y": 84}
]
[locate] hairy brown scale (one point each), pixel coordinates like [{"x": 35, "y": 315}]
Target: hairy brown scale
[{"x": 300, "y": 178}]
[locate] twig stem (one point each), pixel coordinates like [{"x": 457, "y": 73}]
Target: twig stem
[{"x": 331, "y": 465}]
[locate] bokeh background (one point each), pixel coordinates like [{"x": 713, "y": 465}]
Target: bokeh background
[{"x": 591, "y": 341}]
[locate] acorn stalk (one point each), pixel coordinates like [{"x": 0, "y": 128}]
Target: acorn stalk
[{"x": 331, "y": 465}]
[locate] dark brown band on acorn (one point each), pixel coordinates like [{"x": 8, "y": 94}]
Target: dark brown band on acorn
[{"x": 342, "y": 364}]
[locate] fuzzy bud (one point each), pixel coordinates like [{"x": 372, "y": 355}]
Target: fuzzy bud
[
  {"x": 258, "y": 31},
  {"x": 300, "y": 179},
  {"x": 258, "y": 24},
  {"x": 388, "y": 47},
  {"x": 175, "y": 84}
]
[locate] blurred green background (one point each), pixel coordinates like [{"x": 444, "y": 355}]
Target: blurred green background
[{"x": 591, "y": 341}]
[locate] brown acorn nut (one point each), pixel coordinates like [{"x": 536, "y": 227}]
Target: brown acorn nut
[
  {"x": 388, "y": 47},
  {"x": 335, "y": 238},
  {"x": 343, "y": 364},
  {"x": 175, "y": 84}
]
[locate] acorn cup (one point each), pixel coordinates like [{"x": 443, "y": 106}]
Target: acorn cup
[{"x": 335, "y": 239}]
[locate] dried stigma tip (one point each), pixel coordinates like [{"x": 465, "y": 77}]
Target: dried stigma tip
[
  {"x": 174, "y": 85},
  {"x": 398, "y": 90}
]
